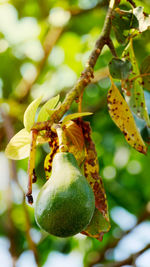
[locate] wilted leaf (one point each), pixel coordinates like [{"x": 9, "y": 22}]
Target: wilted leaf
[
  {"x": 74, "y": 116},
  {"x": 143, "y": 19},
  {"x": 19, "y": 145},
  {"x": 29, "y": 115},
  {"x": 50, "y": 104},
  {"x": 49, "y": 158},
  {"x": 98, "y": 226},
  {"x": 145, "y": 69},
  {"x": 119, "y": 68},
  {"x": 123, "y": 118},
  {"x": 100, "y": 221},
  {"x": 74, "y": 132},
  {"x": 122, "y": 22},
  {"x": 135, "y": 96}
]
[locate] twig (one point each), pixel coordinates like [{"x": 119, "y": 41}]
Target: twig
[
  {"x": 31, "y": 166},
  {"x": 130, "y": 260},
  {"x": 86, "y": 75},
  {"x": 111, "y": 47},
  {"x": 53, "y": 35},
  {"x": 138, "y": 76},
  {"x": 132, "y": 3},
  {"x": 80, "y": 102},
  {"x": 13, "y": 174},
  {"x": 144, "y": 215},
  {"x": 75, "y": 11},
  {"x": 51, "y": 38}
]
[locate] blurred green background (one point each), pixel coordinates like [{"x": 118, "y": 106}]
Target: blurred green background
[{"x": 44, "y": 45}]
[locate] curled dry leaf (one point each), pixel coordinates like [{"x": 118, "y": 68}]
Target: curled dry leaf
[
  {"x": 123, "y": 118},
  {"x": 49, "y": 158},
  {"x": 100, "y": 221},
  {"x": 74, "y": 133}
]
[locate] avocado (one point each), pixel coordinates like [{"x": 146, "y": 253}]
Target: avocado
[{"x": 66, "y": 203}]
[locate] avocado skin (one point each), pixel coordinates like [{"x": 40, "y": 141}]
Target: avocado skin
[{"x": 66, "y": 203}]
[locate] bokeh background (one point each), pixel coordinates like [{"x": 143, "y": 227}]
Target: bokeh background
[{"x": 44, "y": 45}]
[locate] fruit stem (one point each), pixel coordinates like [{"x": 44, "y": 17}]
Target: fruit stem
[{"x": 61, "y": 137}]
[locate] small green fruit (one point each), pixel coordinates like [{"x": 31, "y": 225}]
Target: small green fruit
[{"x": 66, "y": 203}]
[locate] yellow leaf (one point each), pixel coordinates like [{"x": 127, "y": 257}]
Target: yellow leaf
[
  {"x": 19, "y": 145},
  {"x": 100, "y": 222},
  {"x": 74, "y": 116},
  {"x": 123, "y": 118},
  {"x": 29, "y": 115},
  {"x": 50, "y": 104},
  {"x": 74, "y": 132}
]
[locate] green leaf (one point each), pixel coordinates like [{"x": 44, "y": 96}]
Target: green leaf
[
  {"x": 119, "y": 68},
  {"x": 29, "y": 115},
  {"x": 50, "y": 104},
  {"x": 145, "y": 133},
  {"x": 123, "y": 118},
  {"x": 19, "y": 145},
  {"x": 134, "y": 93},
  {"x": 122, "y": 22},
  {"x": 145, "y": 68},
  {"x": 144, "y": 21},
  {"x": 98, "y": 226},
  {"x": 74, "y": 116}
]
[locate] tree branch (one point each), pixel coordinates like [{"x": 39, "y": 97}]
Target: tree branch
[
  {"x": 130, "y": 260},
  {"x": 23, "y": 88},
  {"x": 50, "y": 40},
  {"x": 9, "y": 130},
  {"x": 144, "y": 216},
  {"x": 86, "y": 75}
]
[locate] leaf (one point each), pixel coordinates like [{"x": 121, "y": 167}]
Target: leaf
[
  {"x": 123, "y": 118},
  {"x": 50, "y": 104},
  {"x": 98, "y": 226},
  {"x": 51, "y": 111},
  {"x": 122, "y": 22},
  {"x": 145, "y": 68},
  {"x": 19, "y": 145},
  {"x": 29, "y": 115},
  {"x": 74, "y": 132},
  {"x": 74, "y": 116},
  {"x": 145, "y": 133},
  {"x": 144, "y": 21},
  {"x": 119, "y": 68},
  {"x": 135, "y": 96},
  {"x": 49, "y": 158},
  {"x": 70, "y": 129},
  {"x": 100, "y": 221}
]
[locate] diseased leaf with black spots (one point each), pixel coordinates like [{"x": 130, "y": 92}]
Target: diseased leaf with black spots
[
  {"x": 145, "y": 71},
  {"x": 49, "y": 158},
  {"x": 132, "y": 87},
  {"x": 100, "y": 221},
  {"x": 123, "y": 118}
]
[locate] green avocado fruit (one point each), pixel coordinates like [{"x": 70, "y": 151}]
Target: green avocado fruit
[{"x": 66, "y": 203}]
